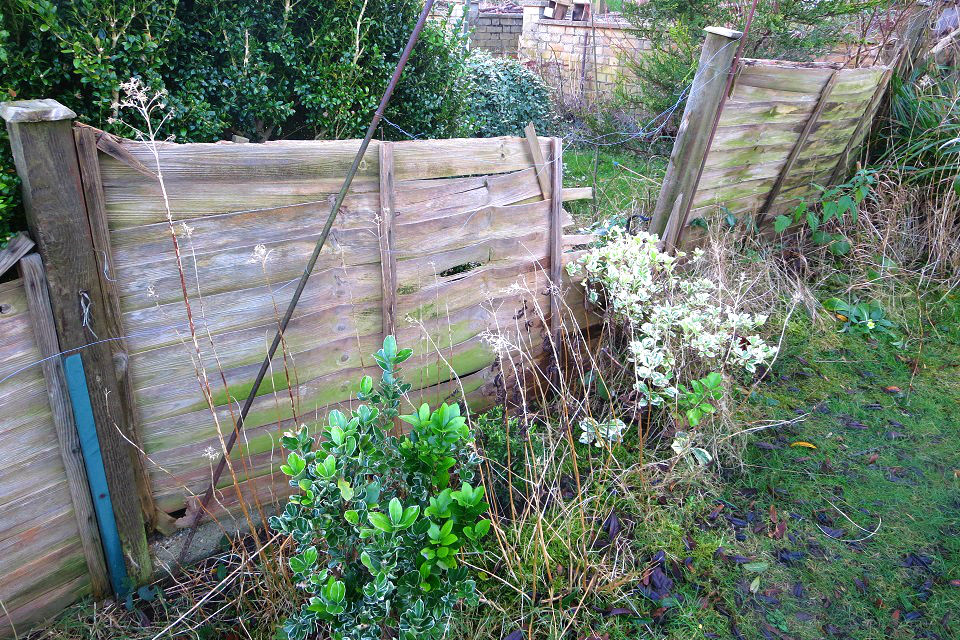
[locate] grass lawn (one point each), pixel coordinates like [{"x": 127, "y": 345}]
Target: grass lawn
[
  {"x": 854, "y": 534},
  {"x": 859, "y": 537},
  {"x": 626, "y": 184}
]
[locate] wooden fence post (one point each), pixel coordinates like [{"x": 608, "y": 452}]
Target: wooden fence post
[
  {"x": 690, "y": 149},
  {"x": 44, "y": 329},
  {"x": 45, "y": 154},
  {"x": 556, "y": 237},
  {"x": 86, "y": 142}
]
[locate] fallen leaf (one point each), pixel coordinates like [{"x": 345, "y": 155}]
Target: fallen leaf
[
  {"x": 830, "y": 531},
  {"x": 891, "y": 389},
  {"x": 620, "y": 611},
  {"x": 780, "y": 529},
  {"x": 895, "y": 615},
  {"x": 801, "y": 443},
  {"x": 873, "y": 458}
]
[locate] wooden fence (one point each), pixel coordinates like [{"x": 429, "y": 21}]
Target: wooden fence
[
  {"x": 50, "y": 551},
  {"x": 758, "y": 146},
  {"x": 439, "y": 242}
]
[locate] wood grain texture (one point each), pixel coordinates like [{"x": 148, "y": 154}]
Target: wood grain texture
[
  {"x": 46, "y": 159},
  {"x": 42, "y": 562},
  {"x": 388, "y": 256},
  {"x": 87, "y": 144},
  {"x": 18, "y": 246},
  {"x": 48, "y": 346},
  {"x": 707, "y": 95},
  {"x": 536, "y": 158},
  {"x": 801, "y": 141},
  {"x": 469, "y": 222},
  {"x": 556, "y": 235},
  {"x": 783, "y": 127}
]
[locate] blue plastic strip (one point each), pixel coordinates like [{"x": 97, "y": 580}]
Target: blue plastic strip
[{"x": 96, "y": 476}]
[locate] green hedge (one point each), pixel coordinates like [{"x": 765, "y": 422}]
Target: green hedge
[
  {"x": 504, "y": 96},
  {"x": 264, "y": 70}
]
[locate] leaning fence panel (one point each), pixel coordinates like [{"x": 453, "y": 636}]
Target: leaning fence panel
[{"x": 471, "y": 246}]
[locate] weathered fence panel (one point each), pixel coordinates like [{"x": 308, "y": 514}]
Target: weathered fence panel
[
  {"x": 785, "y": 125},
  {"x": 49, "y": 543},
  {"x": 465, "y": 221},
  {"x": 168, "y": 268},
  {"x": 783, "y": 128}
]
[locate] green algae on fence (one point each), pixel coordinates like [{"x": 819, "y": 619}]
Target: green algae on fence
[
  {"x": 245, "y": 216},
  {"x": 783, "y": 127},
  {"x": 42, "y": 563}
]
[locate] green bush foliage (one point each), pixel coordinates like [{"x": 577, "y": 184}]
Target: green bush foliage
[
  {"x": 263, "y": 70},
  {"x": 923, "y": 131},
  {"x": 377, "y": 522},
  {"x": 783, "y": 29},
  {"x": 504, "y": 96}
]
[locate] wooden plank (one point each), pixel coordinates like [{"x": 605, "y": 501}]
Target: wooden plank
[
  {"x": 192, "y": 166},
  {"x": 707, "y": 94},
  {"x": 18, "y": 246},
  {"x": 48, "y": 605},
  {"x": 801, "y": 141},
  {"x": 536, "y": 155},
  {"x": 577, "y": 193},
  {"x": 790, "y": 79},
  {"x": 37, "y": 516},
  {"x": 86, "y": 141},
  {"x": 35, "y": 284},
  {"x": 556, "y": 238},
  {"x": 233, "y": 276},
  {"x": 388, "y": 256},
  {"x": 421, "y": 159},
  {"x": 173, "y": 389},
  {"x": 843, "y": 164},
  {"x": 483, "y": 284},
  {"x": 45, "y": 155}
]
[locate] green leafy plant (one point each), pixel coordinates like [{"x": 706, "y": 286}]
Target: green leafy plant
[
  {"x": 377, "y": 523},
  {"x": 601, "y": 433},
  {"x": 860, "y": 318},
  {"x": 312, "y": 69},
  {"x": 833, "y": 205},
  {"x": 695, "y": 401},
  {"x": 504, "y": 97}
]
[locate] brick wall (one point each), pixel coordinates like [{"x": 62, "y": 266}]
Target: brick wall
[
  {"x": 498, "y": 33},
  {"x": 562, "y": 51}
]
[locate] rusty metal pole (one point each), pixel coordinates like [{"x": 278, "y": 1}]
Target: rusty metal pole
[{"x": 265, "y": 366}]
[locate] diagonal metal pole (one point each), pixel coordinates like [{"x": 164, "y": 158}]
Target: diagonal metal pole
[{"x": 265, "y": 366}]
